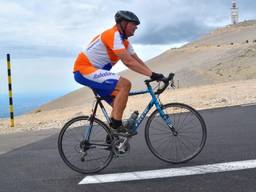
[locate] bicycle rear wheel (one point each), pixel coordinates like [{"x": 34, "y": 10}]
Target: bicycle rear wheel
[
  {"x": 82, "y": 153},
  {"x": 190, "y": 128}
]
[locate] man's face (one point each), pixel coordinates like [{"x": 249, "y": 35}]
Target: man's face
[{"x": 130, "y": 29}]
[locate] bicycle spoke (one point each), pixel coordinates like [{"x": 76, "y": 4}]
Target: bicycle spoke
[
  {"x": 185, "y": 145},
  {"x": 70, "y": 136},
  {"x": 189, "y": 140},
  {"x": 161, "y": 142}
]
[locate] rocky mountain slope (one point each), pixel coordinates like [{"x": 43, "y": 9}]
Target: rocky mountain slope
[{"x": 226, "y": 54}]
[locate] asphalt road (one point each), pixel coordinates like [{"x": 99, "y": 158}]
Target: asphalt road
[{"x": 38, "y": 167}]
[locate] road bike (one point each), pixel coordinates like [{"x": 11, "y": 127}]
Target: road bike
[{"x": 174, "y": 133}]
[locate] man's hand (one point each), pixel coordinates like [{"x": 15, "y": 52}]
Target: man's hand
[{"x": 156, "y": 76}]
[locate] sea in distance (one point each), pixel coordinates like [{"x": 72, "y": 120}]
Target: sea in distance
[{"x": 24, "y": 103}]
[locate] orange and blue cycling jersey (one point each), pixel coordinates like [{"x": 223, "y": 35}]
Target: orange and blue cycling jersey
[
  {"x": 92, "y": 65},
  {"x": 101, "y": 52}
]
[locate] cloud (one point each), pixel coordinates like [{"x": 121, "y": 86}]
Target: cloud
[
  {"x": 43, "y": 37},
  {"x": 183, "y": 31},
  {"x": 32, "y": 51},
  {"x": 178, "y": 21},
  {"x": 62, "y": 27}
]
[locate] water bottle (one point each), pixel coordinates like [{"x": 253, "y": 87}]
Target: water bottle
[{"x": 132, "y": 120}]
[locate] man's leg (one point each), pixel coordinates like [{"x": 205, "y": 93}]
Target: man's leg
[{"x": 123, "y": 88}]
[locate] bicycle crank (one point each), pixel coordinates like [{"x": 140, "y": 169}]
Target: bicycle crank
[{"x": 121, "y": 146}]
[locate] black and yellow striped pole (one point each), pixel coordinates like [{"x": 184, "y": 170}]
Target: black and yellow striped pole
[{"x": 10, "y": 90}]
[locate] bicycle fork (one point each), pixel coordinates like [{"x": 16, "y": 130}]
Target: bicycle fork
[
  {"x": 156, "y": 101},
  {"x": 167, "y": 120}
]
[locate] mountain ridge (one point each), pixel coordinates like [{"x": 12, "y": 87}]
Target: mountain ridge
[{"x": 225, "y": 54}]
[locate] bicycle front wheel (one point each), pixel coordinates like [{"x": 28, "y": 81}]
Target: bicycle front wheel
[
  {"x": 83, "y": 147},
  {"x": 183, "y": 141}
]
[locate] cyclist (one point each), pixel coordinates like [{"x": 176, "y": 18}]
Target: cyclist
[{"x": 92, "y": 66}]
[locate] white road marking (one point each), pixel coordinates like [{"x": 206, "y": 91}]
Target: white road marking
[{"x": 172, "y": 172}]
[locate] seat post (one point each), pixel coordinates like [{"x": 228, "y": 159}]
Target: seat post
[{"x": 98, "y": 102}]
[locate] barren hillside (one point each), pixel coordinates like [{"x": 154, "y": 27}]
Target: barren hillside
[{"x": 226, "y": 54}]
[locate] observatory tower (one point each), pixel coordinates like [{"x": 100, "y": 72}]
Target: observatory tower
[{"x": 234, "y": 13}]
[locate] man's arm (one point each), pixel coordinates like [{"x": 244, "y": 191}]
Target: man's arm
[
  {"x": 134, "y": 63},
  {"x": 135, "y": 56}
]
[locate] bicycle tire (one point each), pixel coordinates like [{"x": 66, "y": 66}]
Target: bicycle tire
[
  {"x": 170, "y": 151},
  {"x": 71, "y": 150}
]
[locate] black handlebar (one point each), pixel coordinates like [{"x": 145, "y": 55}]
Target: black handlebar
[{"x": 165, "y": 80}]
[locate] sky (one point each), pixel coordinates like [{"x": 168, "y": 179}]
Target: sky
[{"x": 44, "y": 36}]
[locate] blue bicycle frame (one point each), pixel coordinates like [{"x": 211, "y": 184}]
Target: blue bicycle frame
[{"x": 154, "y": 101}]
